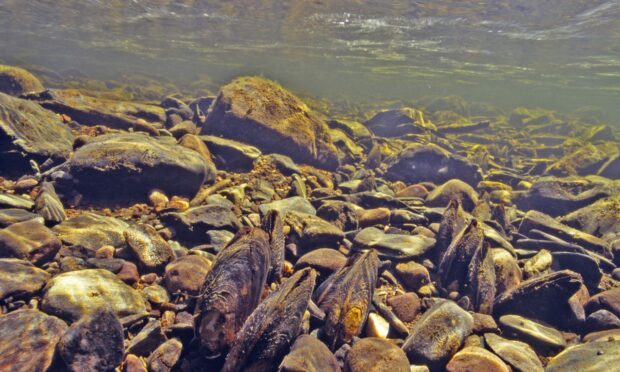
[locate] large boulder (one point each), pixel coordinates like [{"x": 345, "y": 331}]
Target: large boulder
[
  {"x": 429, "y": 162},
  {"x": 261, "y": 113},
  {"x": 125, "y": 167},
  {"x": 15, "y": 81},
  {"x": 29, "y": 132}
]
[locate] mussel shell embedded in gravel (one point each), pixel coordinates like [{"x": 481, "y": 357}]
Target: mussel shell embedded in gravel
[
  {"x": 272, "y": 327},
  {"x": 232, "y": 290},
  {"x": 345, "y": 298}
]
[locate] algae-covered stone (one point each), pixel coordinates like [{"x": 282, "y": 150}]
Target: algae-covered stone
[
  {"x": 438, "y": 334},
  {"x": 92, "y": 231},
  {"x": 394, "y": 123},
  {"x": 28, "y": 340},
  {"x": 186, "y": 274},
  {"x": 29, "y": 132},
  {"x": 261, "y": 113},
  {"x": 533, "y": 333},
  {"x": 73, "y": 294},
  {"x": 590, "y": 357},
  {"x": 453, "y": 189},
  {"x": 18, "y": 277},
  {"x": 374, "y": 354},
  {"x": 309, "y": 354},
  {"x": 143, "y": 163},
  {"x": 16, "y": 81},
  {"x": 88, "y": 110},
  {"x": 29, "y": 240},
  {"x": 293, "y": 204}
]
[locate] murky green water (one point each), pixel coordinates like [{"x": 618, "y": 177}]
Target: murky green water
[{"x": 561, "y": 54}]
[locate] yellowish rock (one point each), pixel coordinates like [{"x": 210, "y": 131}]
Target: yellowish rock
[{"x": 376, "y": 326}]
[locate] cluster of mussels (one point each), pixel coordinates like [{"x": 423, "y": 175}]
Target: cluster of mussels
[{"x": 247, "y": 232}]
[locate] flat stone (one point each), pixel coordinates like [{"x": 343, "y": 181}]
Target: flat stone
[
  {"x": 545, "y": 223},
  {"x": 398, "y": 122},
  {"x": 602, "y": 218},
  {"x": 593, "y": 356},
  {"x": 516, "y": 353},
  {"x": 311, "y": 231},
  {"x": 73, "y": 294},
  {"x": 93, "y": 343},
  {"x": 10, "y": 216},
  {"x": 473, "y": 358},
  {"x": 30, "y": 241},
  {"x": 284, "y": 125},
  {"x": 194, "y": 223},
  {"x": 533, "y": 333},
  {"x": 15, "y": 201},
  {"x": 372, "y": 354},
  {"x": 88, "y": 110},
  {"x": 28, "y": 340},
  {"x": 293, "y": 204},
  {"x": 143, "y": 163},
  {"x": 601, "y": 320},
  {"x": 186, "y": 274},
  {"x": 20, "y": 278},
  {"x": 92, "y": 231},
  {"x": 29, "y": 132},
  {"x": 608, "y": 300},
  {"x": 231, "y": 155},
  {"x": 398, "y": 246},
  {"x": 147, "y": 340},
  {"x": 438, "y": 334},
  {"x": 429, "y": 162}
]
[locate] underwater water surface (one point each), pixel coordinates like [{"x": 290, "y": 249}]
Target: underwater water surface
[{"x": 559, "y": 54}]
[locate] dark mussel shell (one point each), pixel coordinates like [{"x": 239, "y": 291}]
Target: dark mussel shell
[
  {"x": 232, "y": 290},
  {"x": 269, "y": 331},
  {"x": 345, "y": 298}
]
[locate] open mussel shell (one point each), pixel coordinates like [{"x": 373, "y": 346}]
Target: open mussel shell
[
  {"x": 345, "y": 298},
  {"x": 272, "y": 327},
  {"x": 232, "y": 290}
]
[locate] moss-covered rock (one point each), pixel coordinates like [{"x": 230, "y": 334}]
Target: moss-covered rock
[
  {"x": 261, "y": 113},
  {"x": 15, "y": 81}
]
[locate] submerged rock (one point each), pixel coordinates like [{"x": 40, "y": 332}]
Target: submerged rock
[
  {"x": 397, "y": 246},
  {"x": 151, "y": 250},
  {"x": 453, "y": 189},
  {"x": 438, "y": 334},
  {"x": 29, "y": 132},
  {"x": 419, "y": 163},
  {"x": 15, "y": 81},
  {"x": 261, "y": 113},
  {"x": 194, "y": 223},
  {"x": 516, "y": 353},
  {"x": 20, "y": 278},
  {"x": 293, "y": 204},
  {"x": 10, "y": 216},
  {"x": 74, "y": 294},
  {"x": 28, "y": 340},
  {"x": 309, "y": 354},
  {"x": 88, "y": 110},
  {"x": 593, "y": 356},
  {"x": 92, "y": 231},
  {"x": 372, "y": 354},
  {"x": 48, "y": 205},
  {"x": 186, "y": 274},
  {"x": 29, "y": 240},
  {"x": 394, "y": 123},
  {"x": 231, "y": 155},
  {"x": 93, "y": 343},
  {"x": 143, "y": 163},
  {"x": 474, "y": 358}
]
